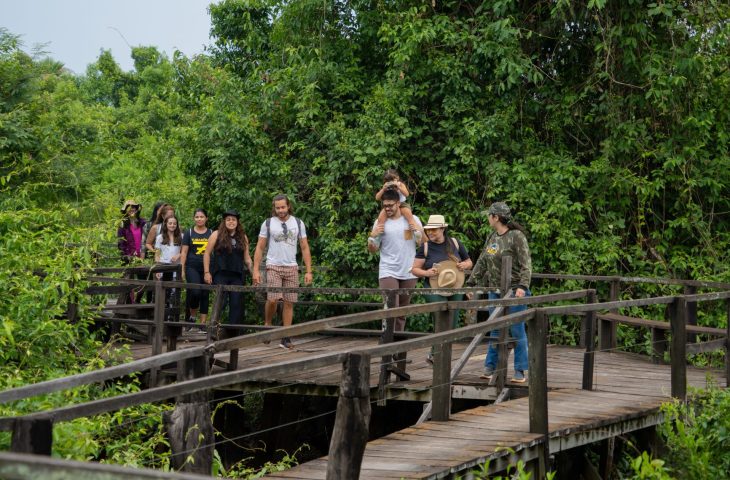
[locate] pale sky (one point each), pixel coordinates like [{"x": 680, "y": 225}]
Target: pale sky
[{"x": 77, "y": 30}]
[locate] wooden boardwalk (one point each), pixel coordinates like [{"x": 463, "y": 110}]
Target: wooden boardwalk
[{"x": 628, "y": 391}]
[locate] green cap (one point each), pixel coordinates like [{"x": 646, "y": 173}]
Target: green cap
[{"x": 499, "y": 208}]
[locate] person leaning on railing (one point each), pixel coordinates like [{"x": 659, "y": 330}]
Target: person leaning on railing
[{"x": 508, "y": 239}]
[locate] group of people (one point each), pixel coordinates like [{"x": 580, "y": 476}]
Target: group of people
[
  {"x": 443, "y": 260},
  {"x": 222, "y": 257},
  {"x": 408, "y": 251}
]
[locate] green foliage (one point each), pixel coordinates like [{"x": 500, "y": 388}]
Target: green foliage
[
  {"x": 602, "y": 124},
  {"x": 646, "y": 468},
  {"x": 698, "y": 435},
  {"x": 513, "y": 472}
]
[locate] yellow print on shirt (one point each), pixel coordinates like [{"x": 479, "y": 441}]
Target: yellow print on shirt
[
  {"x": 492, "y": 249},
  {"x": 200, "y": 244}
]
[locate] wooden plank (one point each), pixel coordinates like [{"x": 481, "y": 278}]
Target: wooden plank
[
  {"x": 704, "y": 347},
  {"x": 23, "y": 466},
  {"x": 642, "y": 322}
]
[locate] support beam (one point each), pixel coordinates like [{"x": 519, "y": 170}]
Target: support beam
[
  {"x": 691, "y": 312},
  {"x": 607, "y": 334},
  {"x": 500, "y": 373},
  {"x": 538, "y": 396},
  {"x": 679, "y": 349},
  {"x": 158, "y": 329},
  {"x": 351, "y": 429},
  {"x": 32, "y": 435},
  {"x": 189, "y": 426},
  {"x": 589, "y": 356},
  {"x": 441, "y": 386}
]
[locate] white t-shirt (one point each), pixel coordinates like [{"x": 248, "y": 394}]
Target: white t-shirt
[
  {"x": 282, "y": 244},
  {"x": 397, "y": 252},
  {"x": 166, "y": 251}
]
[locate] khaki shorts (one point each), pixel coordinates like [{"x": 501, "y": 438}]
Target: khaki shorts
[{"x": 282, "y": 276}]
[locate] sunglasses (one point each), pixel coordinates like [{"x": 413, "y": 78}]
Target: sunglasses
[{"x": 284, "y": 228}]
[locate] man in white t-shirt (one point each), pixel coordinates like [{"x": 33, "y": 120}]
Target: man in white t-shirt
[
  {"x": 397, "y": 251},
  {"x": 281, "y": 233}
]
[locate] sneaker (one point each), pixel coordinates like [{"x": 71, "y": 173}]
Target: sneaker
[
  {"x": 519, "y": 377},
  {"x": 488, "y": 373},
  {"x": 374, "y": 241},
  {"x": 286, "y": 344},
  {"x": 429, "y": 358}
]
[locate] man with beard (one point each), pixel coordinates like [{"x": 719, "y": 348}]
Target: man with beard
[
  {"x": 280, "y": 234},
  {"x": 397, "y": 251}
]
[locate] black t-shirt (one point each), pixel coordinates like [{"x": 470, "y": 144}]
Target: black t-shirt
[
  {"x": 197, "y": 243},
  {"x": 437, "y": 252}
]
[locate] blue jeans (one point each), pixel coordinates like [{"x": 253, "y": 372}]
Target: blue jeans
[{"x": 516, "y": 331}]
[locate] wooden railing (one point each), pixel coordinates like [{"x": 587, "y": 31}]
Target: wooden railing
[{"x": 32, "y": 433}]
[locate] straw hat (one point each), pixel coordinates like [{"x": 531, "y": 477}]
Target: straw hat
[
  {"x": 449, "y": 275},
  {"x": 436, "y": 221},
  {"x": 128, "y": 204}
]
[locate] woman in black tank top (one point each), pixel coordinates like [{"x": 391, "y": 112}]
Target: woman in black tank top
[{"x": 229, "y": 248}]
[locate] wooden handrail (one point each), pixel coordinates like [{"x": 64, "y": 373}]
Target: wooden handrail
[{"x": 263, "y": 372}]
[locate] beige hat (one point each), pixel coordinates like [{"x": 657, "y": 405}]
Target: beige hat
[
  {"x": 128, "y": 204},
  {"x": 449, "y": 275},
  {"x": 436, "y": 221}
]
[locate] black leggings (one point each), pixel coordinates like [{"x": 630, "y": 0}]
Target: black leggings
[
  {"x": 197, "y": 298},
  {"x": 235, "y": 299}
]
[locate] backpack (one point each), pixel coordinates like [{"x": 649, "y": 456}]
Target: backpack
[
  {"x": 268, "y": 229},
  {"x": 268, "y": 236}
]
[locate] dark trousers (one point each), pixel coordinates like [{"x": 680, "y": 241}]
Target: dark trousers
[
  {"x": 235, "y": 299},
  {"x": 197, "y": 298}
]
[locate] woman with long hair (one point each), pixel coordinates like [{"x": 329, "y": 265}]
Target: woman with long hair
[
  {"x": 165, "y": 211},
  {"x": 229, "y": 248},
  {"x": 194, "y": 245},
  {"x": 507, "y": 239},
  {"x": 168, "y": 243},
  {"x": 130, "y": 233}
]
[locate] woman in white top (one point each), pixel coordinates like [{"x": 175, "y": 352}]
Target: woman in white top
[{"x": 168, "y": 245}]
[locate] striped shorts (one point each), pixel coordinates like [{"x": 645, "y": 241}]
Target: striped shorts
[{"x": 282, "y": 276}]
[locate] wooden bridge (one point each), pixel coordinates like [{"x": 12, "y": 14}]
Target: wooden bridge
[{"x": 575, "y": 396}]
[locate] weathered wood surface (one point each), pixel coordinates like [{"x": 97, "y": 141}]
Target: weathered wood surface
[
  {"x": 627, "y": 388},
  {"x": 14, "y": 466},
  {"x": 613, "y": 371}
]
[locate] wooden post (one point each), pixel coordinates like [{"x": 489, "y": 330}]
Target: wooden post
[
  {"x": 158, "y": 329},
  {"x": 538, "y": 391},
  {"x": 606, "y": 457},
  {"x": 607, "y": 334},
  {"x": 386, "y": 336},
  {"x": 658, "y": 344},
  {"x": 589, "y": 356},
  {"x": 679, "y": 349},
  {"x": 691, "y": 312},
  {"x": 189, "y": 426},
  {"x": 32, "y": 435},
  {"x": 441, "y": 385},
  {"x": 215, "y": 315},
  {"x": 351, "y": 429},
  {"x": 502, "y": 350}
]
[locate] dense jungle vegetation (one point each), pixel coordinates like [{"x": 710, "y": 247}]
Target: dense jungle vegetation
[{"x": 604, "y": 124}]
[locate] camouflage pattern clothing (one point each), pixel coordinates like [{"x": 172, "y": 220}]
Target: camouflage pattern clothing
[{"x": 487, "y": 270}]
